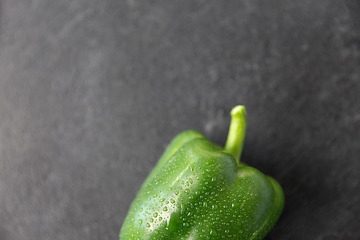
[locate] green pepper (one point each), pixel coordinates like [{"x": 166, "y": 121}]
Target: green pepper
[{"x": 199, "y": 190}]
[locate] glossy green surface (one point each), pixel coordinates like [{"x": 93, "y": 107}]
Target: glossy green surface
[{"x": 200, "y": 191}]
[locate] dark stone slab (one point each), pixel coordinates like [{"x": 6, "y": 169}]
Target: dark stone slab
[{"x": 92, "y": 91}]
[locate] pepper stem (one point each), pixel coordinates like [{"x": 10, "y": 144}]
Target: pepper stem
[{"x": 236, "y": 136}]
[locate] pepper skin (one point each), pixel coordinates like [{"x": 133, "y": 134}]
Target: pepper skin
[{"x": 199, "y": 190}]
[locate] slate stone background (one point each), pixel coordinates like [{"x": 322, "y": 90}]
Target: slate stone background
[{"x": 92, "y": 91}]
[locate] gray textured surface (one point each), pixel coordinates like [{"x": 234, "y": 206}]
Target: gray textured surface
[{"x": 92, "y": 91}]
